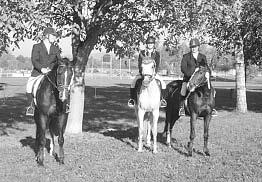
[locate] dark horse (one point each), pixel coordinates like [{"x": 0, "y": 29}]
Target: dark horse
[
  {"x": 199, "y": 103},
  {"x": 51, "y": 100}
]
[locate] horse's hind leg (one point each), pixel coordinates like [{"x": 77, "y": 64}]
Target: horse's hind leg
[
  {"x": 41, "y": 140},
  {"x": 192, "y": 133},
  {"x": 155, "y": 120},
  {"x": 207, "y": 120}
]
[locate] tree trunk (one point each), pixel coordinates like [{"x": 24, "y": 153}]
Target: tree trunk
[
  {"x": 75, "y": 118},
  {"x": 241, "y": 103}
]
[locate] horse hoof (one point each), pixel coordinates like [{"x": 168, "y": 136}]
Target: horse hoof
[
  {"x": 168, "y": 145},
  {"x": 190, "y": 154},
  {"x": 207, "y": 153},
  {"x": 148, "y": 145},
  {"x": 40, "y": 162},
  {"x": 140, "y": 150}
]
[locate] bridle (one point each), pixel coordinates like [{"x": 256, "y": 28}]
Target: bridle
[
  {"x": 151, "y": 76},
  {"x": 58, "y": 85},
  {"x": 200, "y": 83}
]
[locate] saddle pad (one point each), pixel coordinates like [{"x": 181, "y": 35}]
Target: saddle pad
[{"x": 35, "y": 86}]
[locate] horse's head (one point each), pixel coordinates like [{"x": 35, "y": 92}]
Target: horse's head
[
  {"x": 64, "y": 77},
  {"x": 198, "y": 78},
  {"x": 148, "y": 70}
]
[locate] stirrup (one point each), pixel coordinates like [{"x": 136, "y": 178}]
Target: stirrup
[
  {"x": 67, "y": 108},
  {"x": 182, "y": 112},
  {"x": 131, "y": 103},
  {"x": 163, "y": 103},
  {"x": 30, "y": 111},
  {"x": 214, "y": 112}
]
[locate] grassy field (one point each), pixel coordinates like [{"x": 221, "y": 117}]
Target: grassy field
[{"x": 106, "y": 150}]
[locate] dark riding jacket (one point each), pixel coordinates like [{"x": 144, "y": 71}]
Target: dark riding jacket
[
  {"x": 155, "y": 55},
  {"x": 189, "y": 64},
  {"x": 41, "y": 59}
]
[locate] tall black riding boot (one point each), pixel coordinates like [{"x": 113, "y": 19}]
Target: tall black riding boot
[
  {"x": 31, "y": 108},
  {"x": 132, "y": 100},
  {"x": 163, "y": 98},
  {"x": 181, "y": 105}
]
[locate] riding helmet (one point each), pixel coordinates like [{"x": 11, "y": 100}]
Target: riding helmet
[
  {"x": 150, "y": 40},
  {"x": 49, "y": 30},
  {"x": 194, "y": 43}
]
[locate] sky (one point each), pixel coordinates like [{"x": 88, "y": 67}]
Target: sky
[{"x": 27, "y": 45}]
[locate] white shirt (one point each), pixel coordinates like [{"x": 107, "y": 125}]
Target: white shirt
[
  {"x": 195, "y": 55},
  {"x": 47, "y": 45}
]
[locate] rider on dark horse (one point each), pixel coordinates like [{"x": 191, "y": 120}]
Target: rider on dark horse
[
  {"x": 150, "y": 51},
  {"x": 190, "y": 62},
  {"x": 45, "y": 55}
]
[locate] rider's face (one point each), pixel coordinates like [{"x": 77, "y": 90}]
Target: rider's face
[
  {"x": 150, "y": 46},
  {"x": 194, "y": 49},
  {"x": 51, "y": 38}
]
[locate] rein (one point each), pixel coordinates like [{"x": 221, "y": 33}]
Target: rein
[{"x": 51, "y": 81}]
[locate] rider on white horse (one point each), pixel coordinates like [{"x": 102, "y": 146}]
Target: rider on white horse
[{"x": 148, "y": 52}]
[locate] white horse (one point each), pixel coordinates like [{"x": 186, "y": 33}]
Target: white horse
[{"x": 148, "y": 100}]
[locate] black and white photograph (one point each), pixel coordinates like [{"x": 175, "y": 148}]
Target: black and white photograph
[{"x": 131, "y": 90}]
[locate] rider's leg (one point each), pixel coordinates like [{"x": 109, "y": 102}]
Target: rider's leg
[
  {"x": 163, "y": 91},
  {"x": 30, "y": 99},
  {"x": 133, "y": 99},
  {"x": 182, "y": 99}
]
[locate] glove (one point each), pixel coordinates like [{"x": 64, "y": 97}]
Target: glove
[
  {"x": 196, "y": 69},
  {"x": 45, "y": 70},
  {"x": 207, "y": 75}
]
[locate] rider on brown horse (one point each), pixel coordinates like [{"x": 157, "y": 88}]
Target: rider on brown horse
[
  {"x": 45, "y": 55},
  {"x": 148, "y": 52},
  {"x": 190, "y": 62}
]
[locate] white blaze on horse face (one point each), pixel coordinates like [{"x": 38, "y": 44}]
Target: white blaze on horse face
[
  {"x": 64, "y": 89},
  {"x": 207, "y": 75},
  {"x": 148, "y": 69}
]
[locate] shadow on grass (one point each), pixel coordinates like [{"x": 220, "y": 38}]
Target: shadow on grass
[
  {"x": 12, "y": 112},
  {"x": 225, "y": 100},
  {"x": 107, "y": 109},
  {"x": 30, "y": 142}
]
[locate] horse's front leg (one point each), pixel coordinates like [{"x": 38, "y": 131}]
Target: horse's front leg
[
  {"x": 140, "y": 115},
  {"x": 167, "y": 129},
  {"x": 40, "y": 137},
  {"x": 52, "y": 144},
  {"x": 207, "y": 120},
  {"x": 148, "y": 137},
  {"x": 192, "y": 133},
  {"x": 62, "y": 123},
  {"x": 154, "y": 130}
]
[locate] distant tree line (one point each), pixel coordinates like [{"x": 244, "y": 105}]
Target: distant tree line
[{"x": 10, "y": 62}]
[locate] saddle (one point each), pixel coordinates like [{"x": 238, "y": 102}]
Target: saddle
[{"x": 139, "y": 84}]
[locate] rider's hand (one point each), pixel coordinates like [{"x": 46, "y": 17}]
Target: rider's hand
[
  {"x": 45, "y": 70},
  {"x": 197, "y": 69}
]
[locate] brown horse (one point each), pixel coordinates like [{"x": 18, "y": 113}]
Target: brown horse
[
  {"x": 51, "y": 100},
  {"x": 199, "y": 103}
]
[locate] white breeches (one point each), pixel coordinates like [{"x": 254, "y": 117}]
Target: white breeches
[
  {"x": 183, "y": 89},
  {"x": 33, "y": 82},
  {"x": 158, "y": 77}
]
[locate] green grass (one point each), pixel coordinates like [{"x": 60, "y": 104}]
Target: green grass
[{"x": 106, "y": 151}]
